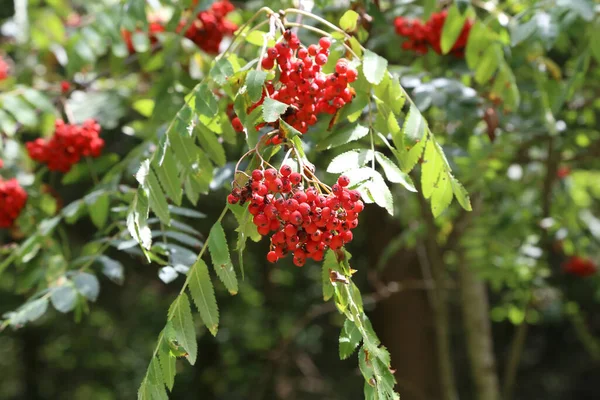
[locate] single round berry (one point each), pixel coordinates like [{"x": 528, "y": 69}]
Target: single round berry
[
  {"x": 321, "y": 59},
  {"x": 270, "y": 174},
  {"x": 325, "y": 43},
  {"x": 343, "y": 181},
  {"x": 231, "y": 199},
  {"x": 295, "y": 178},
  {"x": 237, "y": 124},
  {"x": 267, "y": 63},
  {"x": 285, "y": 170},
  {"x": 341, "y": 67},
  {"x": 257, "y": 175},
  {"x": 272, "y": 257}
]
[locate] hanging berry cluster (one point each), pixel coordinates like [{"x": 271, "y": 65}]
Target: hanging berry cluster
[
  {"x": 579, "y": 266},
  {"x": 4, "y": 69},
  {"x": 305, "y": 222},
  {"x": 210, "y": 27},
  {"x": 422, "y": 35},
  {"x": 206, "y": 31},
  {"x": 301, "y": 83},
  {"x": 12, "y": 201},
  {"x": 153, "y": 28},
  {"x": 68, "y": 144}
]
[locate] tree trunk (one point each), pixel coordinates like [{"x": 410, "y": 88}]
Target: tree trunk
[
  {"x": 432, "y": 263},
  {"x": 404, "y": 321},
  {"x": 478, "y": 331}
]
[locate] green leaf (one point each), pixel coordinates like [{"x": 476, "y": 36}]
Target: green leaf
[
  {"x": 431, "y": 170},
  {"x": 462, "y": 5},
  {"x": 584, "y": 8},
  {"x": 168, "y": 176},
  {"x": 180, "y": 141},
  {"x": 349, "y": 160},
  {"x": 210, "y": 144},
  {"x": 157, "y": 200},
  {"x": 414, "y": 155},
  {"x": 349, "y": 340},
  {"x": 113, "y": 269},
  {"x": 488, "y": 64},
  {"x": 380, "y": 192},
  {"x": 205, "y": 101},
  {"x": 349, "y": 134},
  {"x": 186, "y": 212},
  {"x": 452, "y": 28},
  {"x": 246, "y": 229},
  {"x": 144, "y": 107},
  {"x": 87, "y": 285},
  {"x": 19, "y": 109},
  {"x": 28, "y": 312},
  {"x": 219, "y": 252},
  {"x": 442, "y": 195},
  {"x": 478, "y": 41},
  {"x": 167, "y": 363},
  {"x": 63, "y": 298},
  {"x": 349, "y": 20},
  {"x": 98, "y": 205},
  {"x": 393, "y": 173},
  {"x": 203, "y": 295},
  {"x": 461, "y": 194},
  {"x": 254, "y": 83},
  {"x": 330, "y": 263},
  {"x": 272, "y": 109},
  {"x": 181, "y": 237},
  {"x": 289, "y": 131},
  {"x": 137, "y": 219},
  {"x": 38, "y": 100},
  {"x": 83, "y": 170},
  {"x": 428, "y": 7},
  {"x": 415, "y": 125},
  {"x": 221, "y": 70},
  {"x": 595, "y": 40},
  {"x": 180, "y": 316},
  {"x": 365, "y": 364},
  {"x": 154, "y": 373},
  {"x": 374, "y": 67}
]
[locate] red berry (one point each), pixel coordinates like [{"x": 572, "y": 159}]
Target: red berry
[
  {"x": 65, "y": 86},
  {"x": 325, "y": 43},
  {"x": 296, "y": 218},
  {"x": 267, "y": 63},
  {"x": 343, "y": 181},
  {"x": 295, "y": 178},
  {"x": 231, "y": 199},
  {"x": 285, "y": 170},
  {"x": 257, "y": 175},
  {"x": 270, "y": 174},
  {"x": 341, "y": 67},
  {"x": 272, "y": 257},
  {"x": 321, "y": 59},
  {"x": 237, "y": 124},
  {"x": 351, "y": 74}
]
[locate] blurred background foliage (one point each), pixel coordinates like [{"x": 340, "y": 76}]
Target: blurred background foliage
[{"x": 529, "y": 155}]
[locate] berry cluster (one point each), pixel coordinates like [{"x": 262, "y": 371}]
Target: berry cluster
[
  {"x": 305, "y": 223},
  {"x": 579, "y": 266},
  {"x": 4, "y": 69},
  {"x": 302, "y": 84},
  {"x": 68, "y": 145},
  {"x": 12, "y": 201},
  {"x": 153, "y": 28},
  {"x": 422, "y": 35},
  {"x": 210, "y": 26}
]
